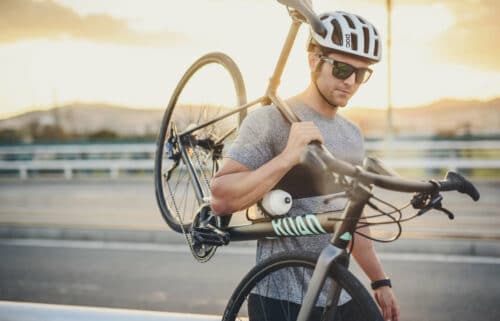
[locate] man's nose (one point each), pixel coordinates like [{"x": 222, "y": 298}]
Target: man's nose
[{"x": 351, "y": 80}]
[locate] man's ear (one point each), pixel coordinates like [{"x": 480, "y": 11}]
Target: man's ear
[{"x": 313, "y": 59}]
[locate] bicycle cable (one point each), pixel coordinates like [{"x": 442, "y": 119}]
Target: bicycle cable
[{"x": 393, "y": 220}]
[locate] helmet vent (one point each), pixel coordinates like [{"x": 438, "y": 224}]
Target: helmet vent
[
  {"x": 366, "y": 34},
  {"x": 375, "y": 51},
  {"x": 361, "y": 20},
  {"x": 337, "y": 33},
  {"x": 349, "y": 21},
  {"x": 354, "y": 41}
]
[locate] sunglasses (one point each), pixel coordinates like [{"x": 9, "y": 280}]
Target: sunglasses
[{"x": 342, "y": 70}]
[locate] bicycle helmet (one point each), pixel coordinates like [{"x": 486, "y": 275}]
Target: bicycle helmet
[{"x": 349, "y": 33}]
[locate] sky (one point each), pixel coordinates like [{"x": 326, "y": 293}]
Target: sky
[{"x": 132, "y": 53}]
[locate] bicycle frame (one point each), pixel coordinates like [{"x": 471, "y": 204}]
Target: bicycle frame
[
  {"x": 270, "y": 96},
  {"x": 271, "y": 92},
  {"x": 342, "y": 226}
]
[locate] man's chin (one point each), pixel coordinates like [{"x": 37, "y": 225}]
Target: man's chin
[{"x": 341, "y": 102}]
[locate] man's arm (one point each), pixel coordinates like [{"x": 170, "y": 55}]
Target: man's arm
[
  {"x": 364, "y": 253},
  {"x": 236, "y": 187}
]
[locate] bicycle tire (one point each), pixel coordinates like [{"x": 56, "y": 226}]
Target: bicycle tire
[
  {"x": 235, "y": 309},
  {"x": 169, "y": 209}
]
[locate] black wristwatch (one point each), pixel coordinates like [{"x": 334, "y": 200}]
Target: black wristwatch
[{"x": 381, "y": 283}]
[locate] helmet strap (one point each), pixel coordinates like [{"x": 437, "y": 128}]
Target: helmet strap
[{"x": 315, "y": 82}]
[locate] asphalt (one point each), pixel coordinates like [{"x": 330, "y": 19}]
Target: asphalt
[
  {"x": 457, "y": 246},
  {"x": 125, "y": 210}
]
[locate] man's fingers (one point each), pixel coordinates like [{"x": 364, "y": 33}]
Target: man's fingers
[
  {"x": 395, "y": 313},
  {"x": 386, "y": 313}
]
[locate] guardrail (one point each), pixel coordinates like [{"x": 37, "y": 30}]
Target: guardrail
[{"x": 126, "y": 157}]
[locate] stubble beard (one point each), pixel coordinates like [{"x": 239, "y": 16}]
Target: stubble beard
[{"x": 337, "y": 99}]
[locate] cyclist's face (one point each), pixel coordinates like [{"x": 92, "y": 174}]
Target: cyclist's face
[{"x": 339, "y": 91}]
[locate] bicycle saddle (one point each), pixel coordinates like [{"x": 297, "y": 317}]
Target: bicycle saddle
[{"x": 304, "y": 7}]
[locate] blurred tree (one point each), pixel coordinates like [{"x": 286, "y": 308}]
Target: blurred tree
[
  {"x": 10, "y": 136},
  {"x": 47, "y": 133},
  {"x": 103, "y": 135}
]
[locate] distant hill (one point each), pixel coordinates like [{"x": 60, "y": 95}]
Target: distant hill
[
  {"x": 444, "y": 118},
  {"x": 87, "y": 118}
]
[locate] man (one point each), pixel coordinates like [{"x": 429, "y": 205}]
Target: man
[{"x": 267, "y": 148}]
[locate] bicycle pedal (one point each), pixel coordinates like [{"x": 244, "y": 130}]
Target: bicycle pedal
[{"x": 210, "y": 235}]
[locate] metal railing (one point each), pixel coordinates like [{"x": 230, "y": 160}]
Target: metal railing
[{"x": 115, "y": 158}]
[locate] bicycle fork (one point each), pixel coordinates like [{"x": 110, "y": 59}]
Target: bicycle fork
[
  {"x": 327, "y": 257},
  {"x": 334, "y": 253}
]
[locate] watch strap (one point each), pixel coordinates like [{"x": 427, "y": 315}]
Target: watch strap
[{"x": 380, "y": 283}]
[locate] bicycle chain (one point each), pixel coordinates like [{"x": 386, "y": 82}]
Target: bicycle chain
[
  {"x": 199, "y": 163},
  {"x": 187, "y": 235}
]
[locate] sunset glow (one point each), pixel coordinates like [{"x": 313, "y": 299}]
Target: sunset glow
[{"x": 133, "y": 53}]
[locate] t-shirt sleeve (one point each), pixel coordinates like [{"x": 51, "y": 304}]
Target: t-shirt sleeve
[{"x": 253, "y": 145}]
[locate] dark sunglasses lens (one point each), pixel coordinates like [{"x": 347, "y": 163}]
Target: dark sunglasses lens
[{"x": 342, "y": 70}]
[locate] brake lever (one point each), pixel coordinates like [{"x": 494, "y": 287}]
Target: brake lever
[{"x": 439, "y": 207}]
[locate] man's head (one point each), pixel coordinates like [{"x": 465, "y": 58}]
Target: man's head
[{"x": 339, "y": 59}]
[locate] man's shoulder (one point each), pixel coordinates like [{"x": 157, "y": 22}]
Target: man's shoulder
[{"x": 268, "y": 114}]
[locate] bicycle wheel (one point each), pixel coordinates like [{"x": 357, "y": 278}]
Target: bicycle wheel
[
  {"x": 209, "y": 88},
  {"x": 274, "y": 290}
]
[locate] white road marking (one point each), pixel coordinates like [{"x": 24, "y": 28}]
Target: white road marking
[
  {"x": 231, "y": 250},
  {"x": 439, "y": 258},
  {"x": 119, "y": 246}
]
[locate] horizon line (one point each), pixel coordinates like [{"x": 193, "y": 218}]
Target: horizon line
[{"x": 27, "y": 110}]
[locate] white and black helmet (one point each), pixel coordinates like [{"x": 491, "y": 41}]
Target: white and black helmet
[{"x": 349, "y": 33}]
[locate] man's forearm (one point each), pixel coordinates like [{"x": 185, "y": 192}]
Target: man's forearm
[
  {"x": 236, "y": 191},
  {"x": 367, "y": 258}
]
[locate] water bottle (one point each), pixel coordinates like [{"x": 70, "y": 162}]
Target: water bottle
[{"x": 276, "y": 202}]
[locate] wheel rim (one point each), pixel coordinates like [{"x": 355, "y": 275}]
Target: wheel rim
[{"x": 190, "y": 106}]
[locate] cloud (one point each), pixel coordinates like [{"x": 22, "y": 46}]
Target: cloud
[
  {"x": 473, "y": 39},
  {"x": 30, "y": 19}
]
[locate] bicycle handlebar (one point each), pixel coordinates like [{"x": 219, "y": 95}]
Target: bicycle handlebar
[{"x": 453, "y": 181}]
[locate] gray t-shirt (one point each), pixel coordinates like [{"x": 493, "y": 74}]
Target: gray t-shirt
[{"x": 262, "y": 136}]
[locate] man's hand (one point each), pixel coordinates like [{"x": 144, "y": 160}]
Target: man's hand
[
  {"x": 387, "y": 302},
  {"x": 301, "y": 134}
]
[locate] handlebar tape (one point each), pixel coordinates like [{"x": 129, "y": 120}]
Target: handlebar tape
[{"x": 454, "y": 181}]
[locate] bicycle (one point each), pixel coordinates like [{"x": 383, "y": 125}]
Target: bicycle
[{"x": 193, "y": 147}]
